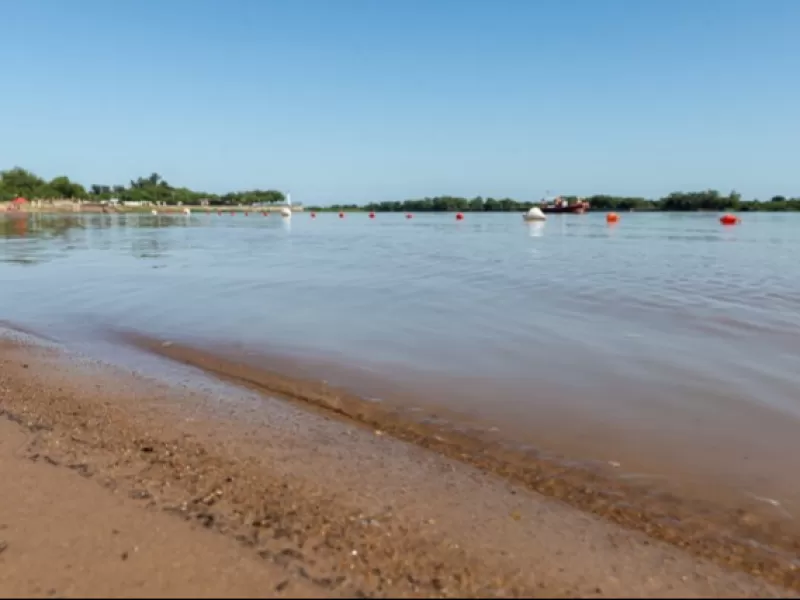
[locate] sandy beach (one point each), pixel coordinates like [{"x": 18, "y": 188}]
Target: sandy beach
[{"x": 125, "y": 485}]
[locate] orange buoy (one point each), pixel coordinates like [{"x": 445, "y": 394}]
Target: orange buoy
[
  {"x": 612, "y": 217},
  {"x": 372, "y": 215},
  {"x": 341, "y": 215},
  {"x": 729, "y": 219},
  {"x": 459, "y": 216}
]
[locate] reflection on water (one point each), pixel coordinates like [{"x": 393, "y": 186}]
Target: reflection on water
[
  {"x": 16, "y": 225},
  {"x": 31, "y": 238},
  {"x": 535, "y": 228},
  {"x": 663, "y": 331},
  {"x": 22, "y": 233}
]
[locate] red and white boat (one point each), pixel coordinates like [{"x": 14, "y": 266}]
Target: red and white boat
[{"x": 560, "y": 205}]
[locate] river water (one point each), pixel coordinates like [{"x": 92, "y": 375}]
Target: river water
[{"x": 666, "y": 344}]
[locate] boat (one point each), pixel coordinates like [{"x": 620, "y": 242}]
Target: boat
[
  {"x": 534, "y": 214},
  {"x": 561, "y": 206}
]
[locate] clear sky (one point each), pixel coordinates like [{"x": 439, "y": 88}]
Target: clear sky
[{"x": 359, "y": 100}]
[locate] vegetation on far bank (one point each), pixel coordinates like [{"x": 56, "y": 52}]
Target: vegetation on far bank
[
  {"x": 711, "y": 200},
  {"x": 20, "y": 182}
]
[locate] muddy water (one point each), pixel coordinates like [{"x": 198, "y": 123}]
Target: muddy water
[{"x": 665, "y": 347}]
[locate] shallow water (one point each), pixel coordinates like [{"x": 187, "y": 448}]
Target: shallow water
[{"x": 667, "y": 342}]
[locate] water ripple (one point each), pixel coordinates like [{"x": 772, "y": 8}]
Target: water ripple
[{"x": 657, "y": 307}]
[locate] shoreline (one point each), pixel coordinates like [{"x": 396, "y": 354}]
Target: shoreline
[
  {"x": 755, "y": 540},
  {"x": 348, "y": 511}
]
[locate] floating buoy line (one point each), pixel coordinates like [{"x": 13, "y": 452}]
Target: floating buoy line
[{"x": 286, "y": 212}]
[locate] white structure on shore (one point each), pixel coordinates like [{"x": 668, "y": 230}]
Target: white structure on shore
[{"x": 286, "y": 211}]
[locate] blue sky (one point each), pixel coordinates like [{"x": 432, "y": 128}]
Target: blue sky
[{"x": 359, "y": 100}]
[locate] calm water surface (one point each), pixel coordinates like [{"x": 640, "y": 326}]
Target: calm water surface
[{"x": 666, "y": 342}]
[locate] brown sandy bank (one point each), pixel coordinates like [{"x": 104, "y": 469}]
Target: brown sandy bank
[
  {"x": 233, "y": 493},
  {"x": 63, "y": 535},
  {"x": 748, "y": 534}
]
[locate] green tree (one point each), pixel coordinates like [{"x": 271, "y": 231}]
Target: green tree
[
  {"x": 20, "y": 182},
  {"x": 64, "y": 188}
]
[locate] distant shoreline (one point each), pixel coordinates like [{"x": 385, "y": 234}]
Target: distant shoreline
[
  {"x": 18, "y": 184},
  {"x": 326, "y": 209},
  {"x": 91, "y": 208},
  {"x": 95, "y": 208}
]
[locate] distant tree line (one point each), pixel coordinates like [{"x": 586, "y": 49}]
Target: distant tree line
[
  {"x": 19, "y": 182},
  {"x": 711, "y": 200}
]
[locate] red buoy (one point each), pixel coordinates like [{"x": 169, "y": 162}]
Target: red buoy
[
  {"x": 313, "y": 215},
  {"x": 729, "y": 219},
  {"x": 409, "y": 216},
  {"x": 459, "y": 216},
  {"x": 341, "y": 215},
  {"x": 372, "y": 215}
]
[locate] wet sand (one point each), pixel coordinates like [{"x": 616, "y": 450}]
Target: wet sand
[
  {"x": 255, "y": 496},
  {"x": 758, "y": 536}
]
